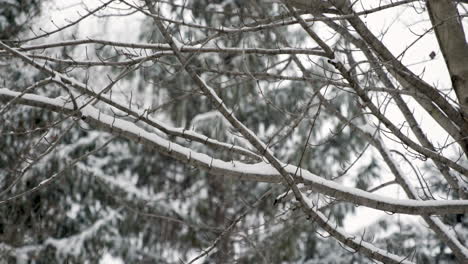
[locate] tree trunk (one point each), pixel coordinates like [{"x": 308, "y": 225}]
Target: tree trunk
[{"x": 451, "y": 38}]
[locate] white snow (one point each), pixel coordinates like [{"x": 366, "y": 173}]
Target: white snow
[
  {"x": 241, "y": 169},
  {"x": 74, "y": 244}
]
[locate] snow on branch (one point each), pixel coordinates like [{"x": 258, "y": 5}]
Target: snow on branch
[
  {"x": 261, "y": 171},
  {"x": 74, "y": 245},
  {"x": 66, "y": 81}
]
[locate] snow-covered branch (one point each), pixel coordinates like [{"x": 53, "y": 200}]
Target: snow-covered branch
[{"x": 262, "y": 171}]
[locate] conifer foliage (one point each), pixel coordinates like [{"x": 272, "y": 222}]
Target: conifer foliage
[{"x": 232, "y": 131}]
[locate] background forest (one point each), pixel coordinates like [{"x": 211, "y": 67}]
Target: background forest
[{"x": 75, "y": 191}]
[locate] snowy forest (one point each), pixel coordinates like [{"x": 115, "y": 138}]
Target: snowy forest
[{"x": 233, "y": 131}]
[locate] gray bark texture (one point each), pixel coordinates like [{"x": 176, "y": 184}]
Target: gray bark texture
[{"x": 451, "y": 38}]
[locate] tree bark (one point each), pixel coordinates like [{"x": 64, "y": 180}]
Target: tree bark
[{"x": 451, "y": 38}]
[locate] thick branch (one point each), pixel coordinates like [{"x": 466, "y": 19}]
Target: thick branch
[
  {"x": 399, "y": 71},
  {"x": 261, "y": 172},
  {"x": 451, "y": 38}
]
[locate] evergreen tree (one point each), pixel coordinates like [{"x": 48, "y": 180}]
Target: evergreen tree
[{"x": 71, "y": 193}]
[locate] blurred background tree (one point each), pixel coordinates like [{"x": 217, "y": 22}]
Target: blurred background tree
[{"x": 131, "y": 202}]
